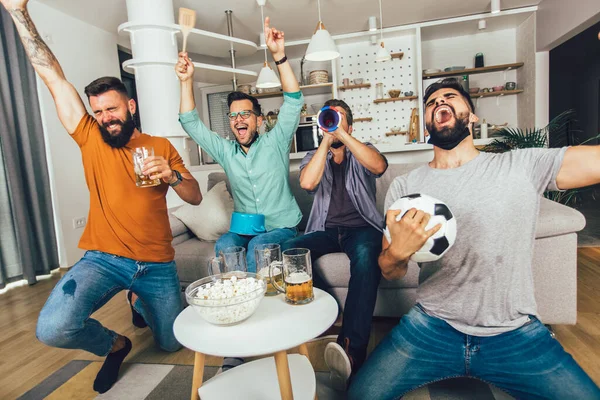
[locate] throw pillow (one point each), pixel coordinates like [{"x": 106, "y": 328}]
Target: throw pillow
[{"x": 211, "y": 219}]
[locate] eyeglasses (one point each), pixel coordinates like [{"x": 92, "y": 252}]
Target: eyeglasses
[{"x": 244, "y": 114}]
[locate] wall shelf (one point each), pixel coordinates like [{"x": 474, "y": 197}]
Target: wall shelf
[
  {"x": 206, "y": 73},
  {"x": 472, "y": 71},
  {"x": 397, "y": 55},
  {"x": 395, "y": 99},
  {"x": 199, "y": 42},
  {"x": 350, "y": 87},
  {"x": 495, "y": 94},
  {"x": 320, "y": 88},
  {"x": 396, "y": 133},
  {"x": 364, "y": 119}
]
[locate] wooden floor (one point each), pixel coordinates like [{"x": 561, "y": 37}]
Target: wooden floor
[{"x": 24, "y": 362}]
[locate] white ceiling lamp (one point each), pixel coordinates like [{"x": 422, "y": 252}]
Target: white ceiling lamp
[
  {"x": 482, "y": 24},
  {"x": 321, "y": 46},
  {"x": 382, "y": 54},
  {"x": 267, "y": 78},
  {"x": 495, "y": 6}
]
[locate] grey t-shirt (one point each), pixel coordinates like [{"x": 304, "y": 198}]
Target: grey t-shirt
[{"x": 483, "y": 285}]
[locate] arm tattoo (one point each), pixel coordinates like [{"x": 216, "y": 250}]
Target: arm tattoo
[{"x": 38, "y": 51}]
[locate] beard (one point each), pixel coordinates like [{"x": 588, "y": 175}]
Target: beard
[
  {"x": 254, "y": 137},
  {"x": 121, "y": 139},
  {"x": 448, "y": 137},
  {"x": 337, "y": 144}
]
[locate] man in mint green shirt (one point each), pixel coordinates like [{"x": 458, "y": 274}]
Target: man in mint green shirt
[{"x": 257, "y": 166}]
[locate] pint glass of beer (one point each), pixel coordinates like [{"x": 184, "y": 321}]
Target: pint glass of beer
[
  {"x": 139, "y": 156},
  {"x": 266, "y": 255},
  {"x": 297, "y": 277}
]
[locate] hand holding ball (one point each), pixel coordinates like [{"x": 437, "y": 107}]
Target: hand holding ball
[{"x": 438, "y": 244}]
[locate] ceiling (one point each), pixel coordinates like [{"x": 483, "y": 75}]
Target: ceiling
[{"x": 297, "y": 18}]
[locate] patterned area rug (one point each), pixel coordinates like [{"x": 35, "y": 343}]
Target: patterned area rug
[{"x": 174, "y": 382}]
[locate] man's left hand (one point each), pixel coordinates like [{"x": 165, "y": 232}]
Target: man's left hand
[
  {"x": 274, "y": 40},
  {"x": 157, "y": 167}
]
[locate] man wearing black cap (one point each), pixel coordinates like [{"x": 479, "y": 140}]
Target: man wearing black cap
[{"x": 476, "y": 314}]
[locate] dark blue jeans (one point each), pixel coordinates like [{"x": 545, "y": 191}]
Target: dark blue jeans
[
  {"x": 527, "y": 362},
  {"x": 231, "y": 239},
  {"x": 65, "y": 318},
  {"x": 362, "y": 246}
]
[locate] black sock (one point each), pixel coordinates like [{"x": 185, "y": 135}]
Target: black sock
[{"x": 108, "y": 374}]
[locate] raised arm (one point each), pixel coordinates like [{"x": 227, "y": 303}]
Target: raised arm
[
  {"x": 275, "y": 42},
  {"x": 580, "y": 167},
  {"x": 367, "y": 156},
  {"x": 185, "y": 72},
  {"x": 312, "y": 173},
  {"x": 69, "y": 106}
]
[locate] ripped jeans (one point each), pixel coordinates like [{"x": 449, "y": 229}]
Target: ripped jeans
[{"x": 65, "y": 318}]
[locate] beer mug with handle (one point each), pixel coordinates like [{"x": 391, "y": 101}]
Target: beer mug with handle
[
  {"x": 267, "y": 254},
  {"x": 297, "y": 277},
  {"x": 234, "y": 259}
]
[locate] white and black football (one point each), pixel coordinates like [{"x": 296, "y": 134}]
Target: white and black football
[{"x": 437, "y": 245}]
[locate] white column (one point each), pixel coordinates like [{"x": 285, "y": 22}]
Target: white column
[{"x": 157, "y": 85}]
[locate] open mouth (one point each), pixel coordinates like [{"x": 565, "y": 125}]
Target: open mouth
[
  {"x": 242, "y": 130},
  {"x": 443, "y": 114}
]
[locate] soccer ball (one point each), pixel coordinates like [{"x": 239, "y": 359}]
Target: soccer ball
[{"x": 437, "y": 245}]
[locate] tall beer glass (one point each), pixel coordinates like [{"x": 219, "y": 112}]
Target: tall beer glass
[
  {"x": 297, "y": 277},
  {"x": 266, "y": 255},
  {"x": 139, "y": 156}
]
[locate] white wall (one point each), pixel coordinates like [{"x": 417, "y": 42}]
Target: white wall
[
  {"x": 542, "y": 89},
  {"x": 526, "y": 75},
  {"x": 560, "y": 20},
  {"x": 85, "y": 53},
  {"x": 498, "y": 47}
]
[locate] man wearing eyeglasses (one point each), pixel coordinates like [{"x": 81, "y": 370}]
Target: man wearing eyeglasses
[{"x": 257, "y": 166}]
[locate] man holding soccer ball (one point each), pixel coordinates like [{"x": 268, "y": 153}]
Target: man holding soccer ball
[{"x": 476, "y": 313}]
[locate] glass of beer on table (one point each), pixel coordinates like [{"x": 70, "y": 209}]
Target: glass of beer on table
[
  {"x": 139, "y": 156},
  {"x": 297, "y": 277},
  {"x": 266, "y": 255}
]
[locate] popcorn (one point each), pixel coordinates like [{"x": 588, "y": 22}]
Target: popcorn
[{"x": 229, "y": 301}]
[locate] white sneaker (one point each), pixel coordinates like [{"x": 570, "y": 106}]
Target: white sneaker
[{"x": 339, "y": 365}]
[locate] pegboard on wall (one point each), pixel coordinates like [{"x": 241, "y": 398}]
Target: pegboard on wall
[{"x": 357, "y": 60}]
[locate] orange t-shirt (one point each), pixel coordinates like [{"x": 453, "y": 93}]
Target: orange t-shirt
[{"x": 124, "y": 219}]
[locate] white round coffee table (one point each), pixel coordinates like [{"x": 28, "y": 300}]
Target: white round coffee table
[{"x": 274, "y": 328}]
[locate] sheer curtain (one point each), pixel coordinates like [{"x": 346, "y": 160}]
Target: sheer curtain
[{"x": 28, "y": 240}]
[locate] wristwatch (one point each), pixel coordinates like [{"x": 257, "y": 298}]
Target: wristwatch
[
  {"x": 279, "y": 62},
  {"x": 179, "y": 179}
]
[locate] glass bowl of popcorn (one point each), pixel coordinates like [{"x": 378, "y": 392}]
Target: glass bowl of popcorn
[{"x": 226, "y": 299}]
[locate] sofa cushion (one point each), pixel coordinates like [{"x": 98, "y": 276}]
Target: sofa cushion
[
  {"x": 334, "y": 269},
  {"x": 303, "y": 198},
  {"x": 192, "y": 258},
  {"x": 211, "y": 219}
]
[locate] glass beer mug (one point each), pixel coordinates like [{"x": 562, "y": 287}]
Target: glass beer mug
[
  {"x": 267, "y": 255},
  {"x": 297, "y": 277},
  {"x": 230, "y": 259}
]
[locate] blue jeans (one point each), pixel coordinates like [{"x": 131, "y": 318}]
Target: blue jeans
[
  {"x": 527, "y": 362},
  {"x": 277, "y": 236},
  {"x": 362, "y": 246},
  {"x": 65, "y": 318}
]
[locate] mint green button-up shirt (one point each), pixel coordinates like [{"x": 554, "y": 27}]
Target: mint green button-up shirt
[{"x": 260, "y": 179}]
